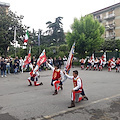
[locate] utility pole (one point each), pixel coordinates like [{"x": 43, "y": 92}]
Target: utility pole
[
  {"x": 15, "y": 40},
  {"x": 39, "y": 38}
]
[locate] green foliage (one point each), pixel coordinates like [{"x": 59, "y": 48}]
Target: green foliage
[
  {"x": 55, "y": 32},
  {"x": 87, "y": 33},
  {"x": 8, "y": 22},
  {"x": 111, "y": 45}
]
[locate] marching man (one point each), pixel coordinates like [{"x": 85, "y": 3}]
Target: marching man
[
  {"x": 89, "y": 64},
  {"x": 78, "y": 88},
  {"x": 100, "y": 64},
  {"x": 109, "y": 65},
  {"x": 34, "y": 78},
  {"x": 117, "y": 64},
  {"x": 82, "y": 61},
  {"x": 96, "y": 64},
  {"x": 56, "y": 77}
]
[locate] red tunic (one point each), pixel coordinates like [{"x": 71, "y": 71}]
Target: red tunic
[
  {"x": 75, "y": 82},
  {"x": 31, "y": 74},
  {"x": 56, "y": 75}
]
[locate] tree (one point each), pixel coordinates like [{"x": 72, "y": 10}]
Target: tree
[
  {"x": 111, "y": 45},
  {"x": 87, "y": 33},
  {"x": 55, "y": 31},
  {"x": 8, "y": 22}
]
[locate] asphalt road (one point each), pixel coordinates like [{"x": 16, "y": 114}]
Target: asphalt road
[{"x": 18, "y": 101}]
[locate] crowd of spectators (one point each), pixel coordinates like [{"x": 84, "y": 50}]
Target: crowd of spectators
[{"x": 10, "y": 65}]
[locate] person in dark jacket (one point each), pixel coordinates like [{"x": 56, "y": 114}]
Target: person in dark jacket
[{"x": 3, "y": 67}]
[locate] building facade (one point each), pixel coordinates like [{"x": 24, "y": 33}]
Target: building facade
[{"x": 110, "y": 18}]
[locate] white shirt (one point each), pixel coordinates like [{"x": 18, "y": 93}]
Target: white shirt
[{"x": 78, "y": 81}]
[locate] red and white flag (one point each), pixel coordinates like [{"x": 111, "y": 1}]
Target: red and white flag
[
  {"x": 113, "y": 62},
  {"x": 41, "y": 60},
  {"x": 104, "y": 59},
  {"x": 27, "y": 59}
]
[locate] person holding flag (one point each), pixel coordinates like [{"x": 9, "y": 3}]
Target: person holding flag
[
  {"x": 78, "y": 88},
  {"x": 34, "y": 77},
  {"x": 34, "y": 72},
  {"x": 56, "y": 77},
  {"x": 100, "y": 64}
]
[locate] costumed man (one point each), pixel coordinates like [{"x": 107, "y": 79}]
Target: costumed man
[
  {"x": 56, "y": 77},
  {"x": 117, "y": 64},
  {"x": 89, "y": 64},
  {"x": 96, "y": 64},
  {"x": 109, "y": 65},
  {"x": 82, "y": 61},
  {"x": 100, "y": 64},
  {"x": 78, "y": 88},
  {"x": 34, "y": 77}
]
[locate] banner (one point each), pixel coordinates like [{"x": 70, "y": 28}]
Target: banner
[
  {"x": 27, "y": 59},
  {"x": 41, "y": 60},
  {"x": 70, "y": 58}
]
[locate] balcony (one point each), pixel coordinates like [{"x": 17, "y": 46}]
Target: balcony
[
  {"x": 110, "y": 16},
  {"x": 110, "y": 26},
  {"x": 111, "y": 36}
]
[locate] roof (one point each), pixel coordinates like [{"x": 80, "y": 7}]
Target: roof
[
  {"x": 106, "y": 9},
  {"x": 4, "y": 4}
]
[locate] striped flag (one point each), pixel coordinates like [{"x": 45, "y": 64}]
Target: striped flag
[
  {"x": 41, "y": 60},
  {"x": 27, "y": 59},
  {"x": 26, "y": 37},
  {"x": 70, "y": 58}
]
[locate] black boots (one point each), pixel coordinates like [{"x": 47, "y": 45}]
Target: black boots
[
  {"x": 41, "y": 83},
  {"x": 30, "y": 84},
  {"x": 55, "y": 93},
  {"x": 72, "y": 104}
]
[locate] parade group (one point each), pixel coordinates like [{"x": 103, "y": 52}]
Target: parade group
[{"x": 59, "y": 76}]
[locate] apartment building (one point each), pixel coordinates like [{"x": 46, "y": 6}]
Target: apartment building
[
  {"x": 5, "y": 5},
  {"x": 110, "y": 18}
]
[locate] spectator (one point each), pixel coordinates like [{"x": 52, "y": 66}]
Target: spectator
[
  {"x": 8, "y": 65},
  {"x": 59, "y": 62},
  {"x": 17, "y": 61},
  {"x": 65, "y": 60},
  {"x": 55, "y": 61},
  {"x": 21, "y": 63},
  {"x": 15, "y": 68},
  {"x": 33, "y": 61},
  {"x": 3, "y": 67},
  {"x": 51, "y": 61}
]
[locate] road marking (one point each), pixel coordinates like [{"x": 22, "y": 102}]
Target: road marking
[{"x": 50, "y": 117}]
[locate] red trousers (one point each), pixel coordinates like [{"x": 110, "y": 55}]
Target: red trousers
[
  {"x": 55, "y": 83},
  {"x": 73, "y": 95}
]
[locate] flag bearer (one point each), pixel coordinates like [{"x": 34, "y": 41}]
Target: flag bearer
[
  {"x": 56, "y": 77},
  {"x": 78, "y": 88},
  {"x": 34, "y": 78}
]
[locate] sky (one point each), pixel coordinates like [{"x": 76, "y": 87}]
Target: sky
[{"x": 37, "y": 12}]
